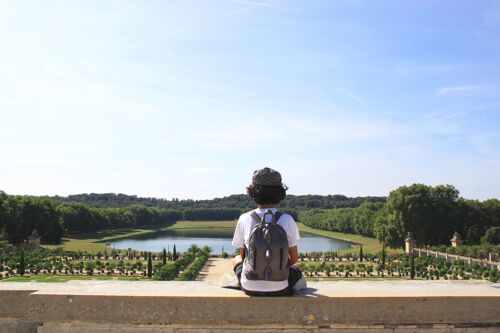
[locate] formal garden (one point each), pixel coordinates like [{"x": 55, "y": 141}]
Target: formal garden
[
  {"x": 396, "y": 266},
  {"x": 59, "y": 265},
  {"x": 63, "y": 238},
  {"x": 17, "y": 264}
]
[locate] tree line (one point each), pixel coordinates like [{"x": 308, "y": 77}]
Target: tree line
[
  {"x": 359, "y": 220},
  {"x": 20, "y": 215},
  {"x": 431, "y": 214},
  {"x": 236, "y": 201}
]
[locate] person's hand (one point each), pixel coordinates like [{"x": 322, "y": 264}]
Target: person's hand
[{"x": 236, "y": 260}]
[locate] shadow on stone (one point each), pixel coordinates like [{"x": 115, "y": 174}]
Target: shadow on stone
[{"x": 308, "y": 292}]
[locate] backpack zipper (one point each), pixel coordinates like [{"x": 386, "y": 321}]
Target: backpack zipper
[
  {"x": 254, "y": 257},
  {"x": 281, "y": 258}
]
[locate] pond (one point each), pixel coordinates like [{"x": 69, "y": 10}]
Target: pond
[{"x": 216, "y": 238}]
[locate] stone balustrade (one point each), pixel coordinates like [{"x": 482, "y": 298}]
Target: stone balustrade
[
  {"x": 448, "y": 256},
  {"x": 341, "y": 306}
]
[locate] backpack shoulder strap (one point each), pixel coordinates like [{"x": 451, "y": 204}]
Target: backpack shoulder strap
[
  {"x": 255, "y": 216},
  {"x": 277, "y": 216}
]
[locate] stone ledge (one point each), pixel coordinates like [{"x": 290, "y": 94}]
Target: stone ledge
[
  {"x": 332, "y": 289},
  {"x": 374, "y": 306},
  {"x": 223, "y": 311},
  {"x": 16, "y": 326}
]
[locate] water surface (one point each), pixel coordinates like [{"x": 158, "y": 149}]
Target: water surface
[{"x": 217, "y": 239}]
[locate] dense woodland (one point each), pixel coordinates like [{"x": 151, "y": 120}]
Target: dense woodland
[
  {"x": 432, "y": 214},
  {"x": 239, "y": 201}
]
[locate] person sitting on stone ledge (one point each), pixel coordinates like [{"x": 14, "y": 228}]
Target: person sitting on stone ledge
[{"x": 267, "y": 239}]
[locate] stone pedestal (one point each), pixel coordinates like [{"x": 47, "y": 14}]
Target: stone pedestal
[
  {"x": 409, "y": 243},
  {"x": 456, "y": 241}
]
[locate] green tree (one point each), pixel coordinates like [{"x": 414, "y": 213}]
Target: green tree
[
  {"x": 164, "y": 257},
  {"x": 77, "y": 217},
  {"x": 29, "y": 213},
  {"x": 361, "y": 253},
  {"x": 22, "y": 264},
  {"x": 428, "y": 212},
  {"x": 150, "y": 265},
  {"x": 193, "y": 248},
  {"x": 492, "y": 236},
  {"x": 4, "y": 209},
  {"x": 412, "y": 266},
  {"x": 174, "y": 254},
  {"x": 166, "y": 273},
  {"x": 143, "y": 215},
  {"x": 383, "y": 256},
  {"x": 89, "y": 266}
]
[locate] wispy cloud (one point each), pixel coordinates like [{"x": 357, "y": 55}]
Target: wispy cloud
[
  {"x": 206, "y": 169},
  {"x": 145, "y": 81},
  {"x": 491, "y": 18},
  {"x": 352, "y": 96},
  {"x": 249, "y": 6},
  {"x": 298, "y": 132},
  {"x": 208, "y": 86},
  {"x": 266, "y": 4},
  {"x": 426, "y": 69},
  {"x": 449, "y": 90},
  {"x": 40, "y": 161}
]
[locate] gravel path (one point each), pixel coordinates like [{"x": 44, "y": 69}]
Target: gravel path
[{"x": 214, "y": 269}]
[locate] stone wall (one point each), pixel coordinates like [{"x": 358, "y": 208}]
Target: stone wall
[{"x": 361, "y": 307}]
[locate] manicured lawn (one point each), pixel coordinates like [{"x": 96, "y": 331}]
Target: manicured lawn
[
  {"x": 202, "y": 224},
  {"x": 64, "y": 278},
  {"x": 371, "y": 245},
  {"x": 94, "y": 243}
]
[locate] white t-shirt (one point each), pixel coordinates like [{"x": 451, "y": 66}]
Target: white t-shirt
[{"x": 242, "y": 237}]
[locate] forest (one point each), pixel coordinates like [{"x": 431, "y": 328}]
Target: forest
[
  {"x": 240, "y": 201},
  {"x": 431, "y": 214}
]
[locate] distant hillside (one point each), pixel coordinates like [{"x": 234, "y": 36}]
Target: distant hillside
[{"x": 233, "y": 201}]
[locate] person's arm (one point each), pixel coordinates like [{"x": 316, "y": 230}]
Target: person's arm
[
  {"x": 242, "y": 253},
  {"x": 293, "y": 255},
  {"x": 293, "y": 237},
  {"x": 238, "y": 241},
  {"x": 239, "y": 258}
]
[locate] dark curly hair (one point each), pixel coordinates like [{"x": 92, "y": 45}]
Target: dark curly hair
[{"x": 267, "y": 194}]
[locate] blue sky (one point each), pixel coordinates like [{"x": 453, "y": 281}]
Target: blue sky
[{"x": 186, "y": 98}]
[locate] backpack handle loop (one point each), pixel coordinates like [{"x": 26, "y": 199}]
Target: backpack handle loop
[
  {"x": 275, "y": 217},
  {"x": 269, "y": 212}
]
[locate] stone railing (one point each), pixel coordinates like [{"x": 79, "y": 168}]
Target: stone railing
[
  {"x": 436, "y": 254},
  {"x": 325, "y": 307}
]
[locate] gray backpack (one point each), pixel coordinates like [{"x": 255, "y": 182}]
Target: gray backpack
[{"x": 268, "y": 250}]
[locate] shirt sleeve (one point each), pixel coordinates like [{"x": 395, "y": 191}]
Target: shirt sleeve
[
  {"x": 293, "y": 233},
  {"x": 238, "y": 240}
]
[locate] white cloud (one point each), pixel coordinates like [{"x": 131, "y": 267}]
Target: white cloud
[
  {"x": 449, "y": 90},
  {"x": 352, "y": 96},
  {"x": 40, "y": 162},
  {"x": 269, "y": 4},
  {"x": 206, "y": 169}
]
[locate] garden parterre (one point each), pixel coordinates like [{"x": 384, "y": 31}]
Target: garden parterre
[
  {"x": 333, "y": 266},
  {"x": 16, "y": 263}
]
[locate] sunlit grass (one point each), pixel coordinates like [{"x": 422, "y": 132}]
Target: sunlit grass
[
  {"x": 370, "y": 245},
  {"x": 94, "y": 243},
  {"x": 202, "y": 224},
  {"x": 64, "y": 278}
]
